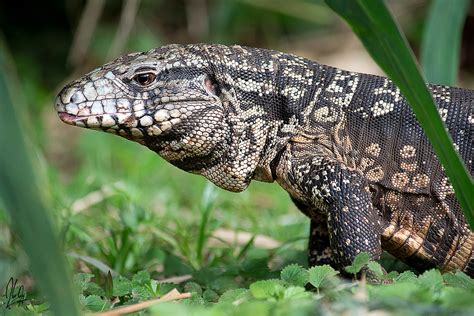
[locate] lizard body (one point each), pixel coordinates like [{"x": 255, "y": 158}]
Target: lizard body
[{"x": 346, "y": 146}]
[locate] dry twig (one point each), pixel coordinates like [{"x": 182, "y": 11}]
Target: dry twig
[
  {"x": 172, "y": 295},
  {"x": 95, "y": 197},
  {"x": 242, "y": 238},
  {"x": 127, "y": 21},
  {"x": 87, "y": 25}
]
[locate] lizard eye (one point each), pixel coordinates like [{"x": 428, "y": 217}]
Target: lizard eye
[{"x": 144, "y": 79}]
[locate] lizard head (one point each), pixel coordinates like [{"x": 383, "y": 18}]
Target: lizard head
[{"x": 169, "y": 100}]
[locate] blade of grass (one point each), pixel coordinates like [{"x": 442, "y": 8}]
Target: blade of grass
[
  {"x": 441, "y": 42},
  {"x": 207, "y": 204},
  {"x": 304, "y": 10},
  {"x": 22, "y": 199},
  {"x": 373, "y": 24}
]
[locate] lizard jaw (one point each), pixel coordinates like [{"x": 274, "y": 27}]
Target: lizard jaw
[
  {"x": 72, "y": 119},
  {"x": 68, "y": 118}
]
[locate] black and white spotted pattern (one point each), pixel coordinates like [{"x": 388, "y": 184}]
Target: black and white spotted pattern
[{"x": 345, "y": 145}]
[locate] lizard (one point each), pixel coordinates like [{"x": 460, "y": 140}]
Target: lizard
[{"x": 346, "y": 146}]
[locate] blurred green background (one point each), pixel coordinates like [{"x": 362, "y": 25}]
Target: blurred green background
[{"x": 115, "y": 203}]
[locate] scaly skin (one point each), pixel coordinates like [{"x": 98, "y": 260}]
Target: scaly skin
[{"x": 346, "y": 146}]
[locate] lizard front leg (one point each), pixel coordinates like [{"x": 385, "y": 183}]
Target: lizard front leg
[
  {"x": 343, "y": 196},
  {"x": 319, "y": 248}
]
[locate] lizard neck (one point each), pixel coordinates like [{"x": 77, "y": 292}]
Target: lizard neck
[{"x": 269, "y": 104}]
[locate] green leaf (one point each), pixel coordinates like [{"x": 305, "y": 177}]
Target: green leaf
[
  {"x": 20, "y": 193},
  {"x": 431, "y": 279},
  {"x": 360, "y": 261},
  {"x": 38, "y": 309},
  {"x": 318, "y": 275},
  {"x": 379, "y": 271},
  {"x": 142, "y": 293},
  {"x": 267, "y": 289},
  {"x": 196, "y": 300},
  {"x": 456, "y": 298},
  {"x": 143, "y": 286},
  {"x": 460, "y": 280},
  {"x": 141, "y": 277},
  {"x": 163, "y": 288},
  {"x": 193, "y": 287},
  {"x": 94, "y": 288},
  {"x": 95, "y": 303},
  {"x": 174, "y": 265},
  {"x": 82, "y": 279},
  {"x": 231, "y": 296},
  {"x": 404, "y": 291},
  {"x": 375, "y": 27},
  {"x": 406, "y": 276},
  {"x": 376, "y": 268},
  {"x": 149, "y": 289},
  {"x": 122, "y": 286},
  {"x": 295, "y": 274},
  {"x": 391, "y": 275},
  {"x": 296, "y": 292},
  {"x": 223, "y": 283},
  {"x": 441, "y": 44},
  {"x": 210, "y": 296}
]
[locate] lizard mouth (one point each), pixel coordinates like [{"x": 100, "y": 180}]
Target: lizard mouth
[
  {"x": 71, "y": 118},
  {"x": 93, "y": 120},
  {"x": 102, "y": 120}
]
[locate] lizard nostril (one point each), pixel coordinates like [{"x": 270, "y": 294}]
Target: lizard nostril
[{"x": 58, "y": 104}]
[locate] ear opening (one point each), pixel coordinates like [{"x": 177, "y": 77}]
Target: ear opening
[{"x": 212, "y": 86}]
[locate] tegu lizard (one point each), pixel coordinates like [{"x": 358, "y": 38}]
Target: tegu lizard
[{"x": 346, "y": 146}]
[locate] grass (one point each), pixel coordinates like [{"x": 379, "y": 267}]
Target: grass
[
  {"x": 20, "y": 194},
  {"x": 152, "y": 205},
  {"x": 444, "y": 25},
  {"x": 148, "y": 227}
]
